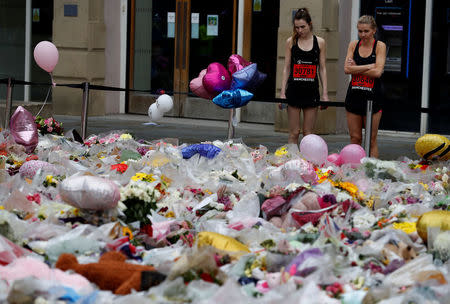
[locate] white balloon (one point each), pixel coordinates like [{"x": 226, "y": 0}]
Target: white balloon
[
  {"x": 154, "y": 113},
  {"x": 164, "y": 103}
]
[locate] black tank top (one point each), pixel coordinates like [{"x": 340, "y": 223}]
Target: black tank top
[
  {"x": 364, "y": 87},
  {"x": 304, "y": 68}
]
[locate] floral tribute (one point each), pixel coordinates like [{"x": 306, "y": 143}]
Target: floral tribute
[{"x": 49, "y": 126}]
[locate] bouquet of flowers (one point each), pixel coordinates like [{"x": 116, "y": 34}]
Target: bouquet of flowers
[
  {"x": 140, "y": 197},
  {"x": 48, "y": 126}
]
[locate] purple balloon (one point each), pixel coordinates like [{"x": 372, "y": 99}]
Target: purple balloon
[
  {"x": 248, "y": 78},
  {"x": 312, "y": 253},
  {"x": 217, "y": 78},
  {"x": 352, "y": 154},
  {"x": 256, "y": 81},
  {"x": 236, "y": 63},
  {"x": 314, "y": 149},
  {"x": 242, "y": 77},
  {"x": 23, "y": 129}
]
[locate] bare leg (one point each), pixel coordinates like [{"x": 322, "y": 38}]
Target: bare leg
[
  {"x": 294, "y": 124},
  {"x": 355, "y": 123},
  {"x": 309, "y": 120},
  {"x": 373, "y": 138}
]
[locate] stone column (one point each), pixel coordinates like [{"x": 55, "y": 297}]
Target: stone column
[
  {"x": 79, "y": 35},
  {"x": 325, "y": 19}
]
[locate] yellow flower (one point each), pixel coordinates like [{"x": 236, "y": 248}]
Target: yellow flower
[
  {"x": 369, "y": 204},
  {"x": 281, "y": 151},
  {"x": 323, "y": 176},
  {"x": 425, "y": 186},
  {"x": 407, "y": 227},
  {"x": 139, "y": 176},
  {"x": 49, "y": 179},
  {"x": 166, "y": 180},
  {"x": 76, "y": 212},
  {"x": 170, "y": 214},
  {"x": 126, "y": 136},
  {"x": 2, "y": 208},
  {"x": 127, "y": 232}
]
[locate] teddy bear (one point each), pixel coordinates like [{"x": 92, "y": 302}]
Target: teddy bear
[{"x": 113, "y": 273}]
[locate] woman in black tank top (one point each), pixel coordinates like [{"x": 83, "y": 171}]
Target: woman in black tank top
[
  {"x": 365, "y": 62},
  {"x": 303, "y": 66}
]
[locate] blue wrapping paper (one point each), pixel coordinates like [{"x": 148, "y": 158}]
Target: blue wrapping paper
[{"x": 205, "y": 150}]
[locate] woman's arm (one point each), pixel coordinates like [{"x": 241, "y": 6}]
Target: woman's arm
[
  {"x": 378, "y": 69},
  {"x": 287, "y": 67},
  {"x": 349, "y": 66},
  {"x": 323, "y": 68}
]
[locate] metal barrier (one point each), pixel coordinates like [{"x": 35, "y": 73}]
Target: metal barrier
[{"x": 86, "y": 87}]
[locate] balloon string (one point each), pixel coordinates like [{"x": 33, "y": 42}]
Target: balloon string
[
  {"x": 48, "y": 93},
  {"x": 53, "y": 82}
]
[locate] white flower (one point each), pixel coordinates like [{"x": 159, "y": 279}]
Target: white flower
[
  {"x": 293, "y": 186},
  {"x": 445, "y": 178},
  {"x": 309, "y": 228},
  {"x": 364, "y": 220},
  {"x": 342, "y": 197}
]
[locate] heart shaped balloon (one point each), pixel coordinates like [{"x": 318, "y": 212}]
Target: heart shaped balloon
[
  {"x": 196, "y": 86},
  {"x": 23, "y": 129},
  {"x": 217, "y": 78},
  {"x": 89, "y": 192},
  {"x": 236, "y": 63}
]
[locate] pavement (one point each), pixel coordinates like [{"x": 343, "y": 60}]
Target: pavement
[{"x": 392, "y": 145}]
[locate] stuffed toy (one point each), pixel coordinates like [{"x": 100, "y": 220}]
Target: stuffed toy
[
  {"x": 398, "y": 250},
  {"x": 113, "y": 273},
  {"x": 304, "y": 201}
]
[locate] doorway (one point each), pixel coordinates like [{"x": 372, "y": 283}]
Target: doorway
[{"x": 170, "y": 42}]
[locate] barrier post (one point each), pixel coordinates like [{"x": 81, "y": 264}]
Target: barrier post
[
  {"x": 230, "y": 124},
  {"x": 368, "y": 133},
  {"x": 84, "y": 110},
  {"x": 8, "y": 108}
]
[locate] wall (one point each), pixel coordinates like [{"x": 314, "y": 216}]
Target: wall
[
  {"x": 325, "y": 19},
  {"x": 114, "y": 9},
  {"x": 81, "y": 44}
]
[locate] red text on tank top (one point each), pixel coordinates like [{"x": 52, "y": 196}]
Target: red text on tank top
[
  {"x": 362, "y": 82},
  {"x": 304, "y": 71}
]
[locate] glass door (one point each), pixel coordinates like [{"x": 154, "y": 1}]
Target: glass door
[
  {"x": 41, "y": 29},
  {"x": 171, "y": 42},
  {"x": 151, "y": 50},
  {"x": 12, "y": 42}
]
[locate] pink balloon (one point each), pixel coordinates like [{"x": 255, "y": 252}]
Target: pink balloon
[
  {"x": 46, "y": 55},
  {"x": 197, "y": 87},
  {"x": 236, "y": 63},
  {"x": 29, "y": 168},
  {"x": 335, "y": 159},
  {"x": 314, "y": 149},
  {"x": 217, "y": 78},
  {"x": 352, "y": 154},
  {"x": 23, "y": 129}
]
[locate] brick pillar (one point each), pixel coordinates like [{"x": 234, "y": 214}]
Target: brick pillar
[{"x": 79, "y": 35}]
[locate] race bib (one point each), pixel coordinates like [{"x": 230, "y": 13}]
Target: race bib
[
  {"x": 304, "y": 71},
  {"x": 362, "y": 82}
]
